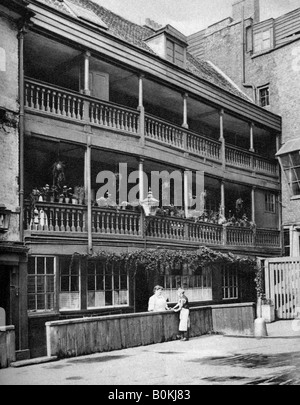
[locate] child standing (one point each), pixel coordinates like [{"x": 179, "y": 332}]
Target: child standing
[{"x": 183, "y": 307}]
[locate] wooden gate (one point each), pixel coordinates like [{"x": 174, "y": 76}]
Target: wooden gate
[{"x": 282, "y": 283}]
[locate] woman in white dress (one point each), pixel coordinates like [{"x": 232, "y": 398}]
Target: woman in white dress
[{"x": 157, "y": 302}]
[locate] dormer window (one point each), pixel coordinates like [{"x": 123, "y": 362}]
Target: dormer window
[
  {"x": 169, "y": 44},
  {"x": 175, "y": 53}
]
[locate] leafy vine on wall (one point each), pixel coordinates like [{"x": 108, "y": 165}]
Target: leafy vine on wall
[{"x": 156, "y": 260}]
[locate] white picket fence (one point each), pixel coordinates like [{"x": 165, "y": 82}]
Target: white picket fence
[{"x": 282, "y": 283}]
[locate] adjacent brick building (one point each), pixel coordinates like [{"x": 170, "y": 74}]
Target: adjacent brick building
[{"x": 263, "y": 59}]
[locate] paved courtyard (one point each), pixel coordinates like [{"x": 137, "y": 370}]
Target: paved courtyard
[{"x": 207, "y": 360}]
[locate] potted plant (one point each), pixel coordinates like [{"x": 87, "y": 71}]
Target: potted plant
[
  {"x": 61, "y": 198},
  {"x": 74, "y": 199},
  {"x": 45, "y": 193},
  {"x": 67, "y": 193},
  {"x": 53, "y": 193},
  {"x": 79, "y": 192}
]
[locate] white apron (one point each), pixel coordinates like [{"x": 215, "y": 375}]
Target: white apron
[{"x": 184, "y": 323}]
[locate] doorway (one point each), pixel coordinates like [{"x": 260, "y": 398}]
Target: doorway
[{"x": 5, "y": 291}]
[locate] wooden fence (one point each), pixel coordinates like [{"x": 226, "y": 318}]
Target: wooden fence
[
  {"x": 282, "y": 285},
  {"x": 7, "y": 346},
  {"x": 76, "y": 337}
]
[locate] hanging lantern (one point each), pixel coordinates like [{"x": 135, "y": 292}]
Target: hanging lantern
[{"x": 150, "y": 204}]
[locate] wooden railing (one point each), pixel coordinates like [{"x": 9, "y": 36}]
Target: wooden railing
[
  {"x": 239, "y": 236},
  {"x": 56, "y": 217},
  {"x": 202, "y": 146},
  {"x": 164, "y": 132},
  {"x": 166, "y": 228},
  {"x": 50, "y": 217},
  {"x": 249, "y": 161},
  {"x": 45, "y": 98},
  {"x": 61, "y": 102},
  {"x": 78, "y": 337},
  {"x": 206, "y": 233},
  {"x": 106, "y": 221},
  {"x": 268, "y": 237},
  {"x": 113, "y": 116}
]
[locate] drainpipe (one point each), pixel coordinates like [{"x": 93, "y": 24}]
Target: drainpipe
[
  {"x": 21, "y": 129},
  {"x": 246, "y": 85},
  {"x": 89, "y": 196}
]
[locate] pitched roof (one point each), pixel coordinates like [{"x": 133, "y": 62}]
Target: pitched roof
[{"x": 136, "y": 35}]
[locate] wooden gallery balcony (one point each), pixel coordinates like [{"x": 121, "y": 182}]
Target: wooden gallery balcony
[
  {"x": 62, "y": 104},
  {"x": 111, "y": 225}
]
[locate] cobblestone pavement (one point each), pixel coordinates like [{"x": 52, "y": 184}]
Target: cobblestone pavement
[{"x": 208, "y": 360}]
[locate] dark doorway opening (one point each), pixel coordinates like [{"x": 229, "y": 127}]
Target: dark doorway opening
[{"x": 5, "y": 291}]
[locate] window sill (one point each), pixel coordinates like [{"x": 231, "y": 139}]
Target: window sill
[
  {"x": 42, "y": 314},
  {"x": 295, "y": 197}
]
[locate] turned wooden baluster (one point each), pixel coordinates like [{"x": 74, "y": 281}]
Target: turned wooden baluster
[
  {"x": 26, "y": 95},
  {"x": 73, "y": 228},
  {"x": 117, "y": 230},
  {"x": 98, "y": 222},
  {"x": 122, "y": 224},
  {"x": 42, "y": 107}
]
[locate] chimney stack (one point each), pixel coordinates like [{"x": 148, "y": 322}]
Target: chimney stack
[{"x": 251, "y": 10}]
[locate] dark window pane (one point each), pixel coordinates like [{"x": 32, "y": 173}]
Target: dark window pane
[
  {"x": 31, "y": 265},
  {"x": 31, "y": 302},
  {"x": 40, "y": 265},
  {"x": 100, "y": 269},
  {"x": 295, "y": 158},
  {"x": 99, "y": 283},
  {"x": 108, "y": 298},
  {"x": 75, "y": 267},
  {"x": 50, "y": 265},
  {"x": 91, "y": 268},
  {"x": 123, "y": 283},
  {"x": 91, "y": 283},
  {"x": 108, "y": 282},
  {"x": 64, "y": 265},
  {"x": 116, "y": 283},
  {"x": 64, "y": 283},
  {"x": 74, "y": 283}
]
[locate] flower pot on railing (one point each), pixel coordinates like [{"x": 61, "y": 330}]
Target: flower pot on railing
[
  {"x": 61, "y": 199},
  {"x": 74, "y": 201}
]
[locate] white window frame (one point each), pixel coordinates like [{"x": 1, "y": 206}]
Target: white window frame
[
  {"x": 264, "y": 100},
  {"x": 114, "y": 304},
  {"x": 270, "y": 203},
  {"x": 263, "y": 40},
  {"x": 230, "y": 283},
  {"x": 74, "y": 296},
  {"x": 45, "y": 275},
  {"x": 197, "y": 287}
]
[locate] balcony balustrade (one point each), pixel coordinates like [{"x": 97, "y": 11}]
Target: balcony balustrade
[
  {"x": 55, "y": 218},
  {"x": 47, "y": 99}
]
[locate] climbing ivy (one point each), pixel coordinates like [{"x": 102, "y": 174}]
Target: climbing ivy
[{"x": 156, "y": 260}]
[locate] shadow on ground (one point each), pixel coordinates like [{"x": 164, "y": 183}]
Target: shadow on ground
[{"x": 289, "y": 361}]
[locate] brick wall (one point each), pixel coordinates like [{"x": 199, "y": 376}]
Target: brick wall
[{"x": 9, "y": 150}]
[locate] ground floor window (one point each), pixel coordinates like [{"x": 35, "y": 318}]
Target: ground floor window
[
  {"x": 230, "y": 287},
  {"x": 66, "y": 283},
  {"x": 41, "y": 284},
  {"x": 198, "y": 286},
  {"x": 107, "y": 285},
  {"x": 69, "y": 297}
]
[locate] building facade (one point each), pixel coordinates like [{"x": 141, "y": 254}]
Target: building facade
[
  {"x": 267, "y": 64},
  {"x": 113, "y": 110}
]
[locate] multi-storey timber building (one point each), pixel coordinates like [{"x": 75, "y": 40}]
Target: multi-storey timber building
[{"x": 103, "y": 95}]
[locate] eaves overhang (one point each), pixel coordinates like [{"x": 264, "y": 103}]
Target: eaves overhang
[{"x": 103, "y": 43}]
